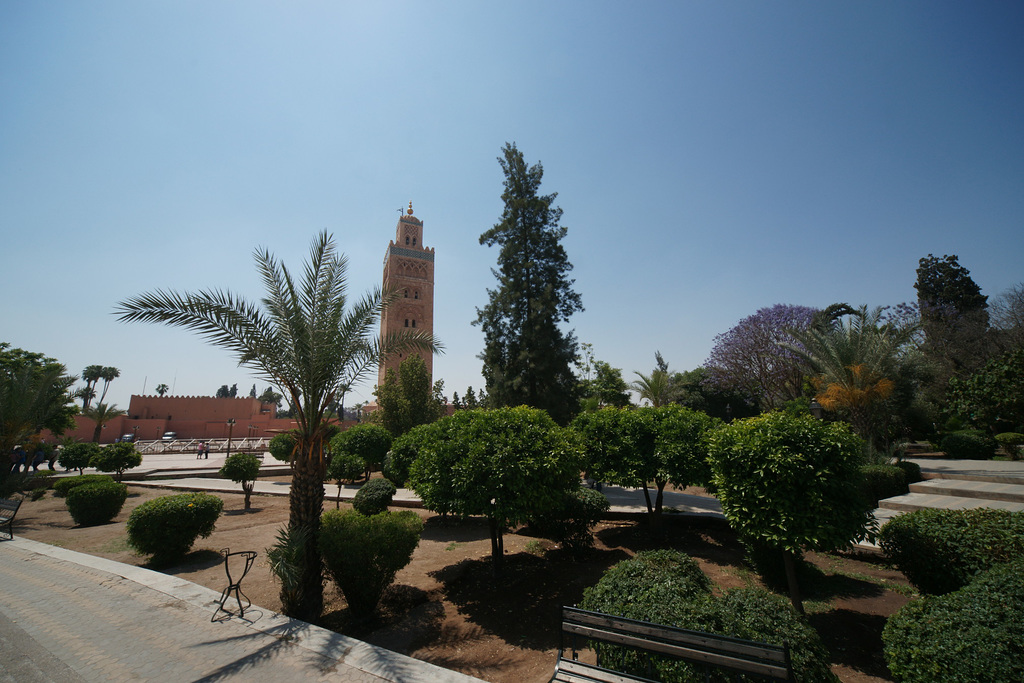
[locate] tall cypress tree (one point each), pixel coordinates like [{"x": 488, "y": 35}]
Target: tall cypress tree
[{"x": 527, "y": 357}]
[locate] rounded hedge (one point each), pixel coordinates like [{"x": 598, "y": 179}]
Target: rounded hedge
[
  {"x": 64, "y": 484},
  {"x": 96, "y": 503},
  {"x": 667, "y": 587},
  {"x": 374, "y": 497},
  {"x": 571, "y": 524},
  {"x": 882, "y": 481},
  {"x": 282, "y": 447},
  {"x": 969, "y": 635},
  {"x": 1011, "y": 443},
  {"x": 968, "y": 445},
  {"x": 167, "y": 527},
  {"x": 911, "y": 471},
  {"x": 363, "y": 554},
  {"x": 940, "y": 551}
]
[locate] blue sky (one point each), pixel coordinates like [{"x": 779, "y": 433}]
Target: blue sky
[{"x": 711, "y": 158}]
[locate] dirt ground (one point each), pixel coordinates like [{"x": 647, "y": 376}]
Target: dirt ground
[{"x": 446, "y": 608}]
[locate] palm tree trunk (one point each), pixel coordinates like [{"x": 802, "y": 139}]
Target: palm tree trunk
[{"x": 306, "y": 502}]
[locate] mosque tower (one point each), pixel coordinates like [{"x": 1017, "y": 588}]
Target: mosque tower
[{"x": 409, "y": 270}]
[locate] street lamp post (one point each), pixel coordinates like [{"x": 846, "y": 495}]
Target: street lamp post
[
  {"x": 231, "y": 427},
  {"x": 135, "y": 434},
  {"x": 816, "y": 409}
]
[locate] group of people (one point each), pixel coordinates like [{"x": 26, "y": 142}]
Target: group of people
[
  {"x": 22, "y": 461},
  {"x": 202, "y": 451}
]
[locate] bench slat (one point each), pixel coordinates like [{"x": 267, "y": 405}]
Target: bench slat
[
  {"x": 570, "y": 671},
  {"x": 681, "y": 651},
  {"x": 774, "y": 653}
]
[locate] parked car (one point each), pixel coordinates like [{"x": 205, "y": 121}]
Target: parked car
[
  {"x": 170, "y": 436},
  {"x": 128, "y": 438}
]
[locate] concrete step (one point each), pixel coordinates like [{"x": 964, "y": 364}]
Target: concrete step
[
  {"x": 992, "y": 477},
  {"x": 917, "y": 501},
  {"x": 986, "y": 490}
]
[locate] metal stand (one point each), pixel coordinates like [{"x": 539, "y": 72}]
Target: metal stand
[{"x": 242, "y": 562}]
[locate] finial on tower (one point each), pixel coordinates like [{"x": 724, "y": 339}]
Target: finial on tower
[{"x": 410, "y": 208}]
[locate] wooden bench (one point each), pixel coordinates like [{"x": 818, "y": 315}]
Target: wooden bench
[
  {"x": 581, "y": 630},
  {"x": 8, "y": 508}
]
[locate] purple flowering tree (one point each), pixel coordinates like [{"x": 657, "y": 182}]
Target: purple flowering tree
[{"x": 751, "y": 360}]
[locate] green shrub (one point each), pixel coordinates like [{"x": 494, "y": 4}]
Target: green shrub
[
  {"x": 654, "y": 585},
  {"x": 167, "y": 527},
  {"x": 882, "y": 481},
  {"x": 400, "y": 458},
  {"x": 667, "y": 587},
  {"x": 374, "y": 497},
  {"x": 117, "y": 457},
  {"x": 911, "y": 471},
  {"x": 969, "y": 635},
  {"x": 282, "y": 447},
  {"x": 65, "y": 484},
  {"x": 242, "y": 468},
  {"x": 571, "y": 524},
  {"x": 363, "y": 554},
  {"x": 369, "y": 441},
  {"x": 77, "y": 456},
  {"x": 1011, "y": 443},
  {"x": 940, "y": 551},
  {"x": 96, "y": 503},
  {"x": 969, "y": 444},
  {"x": 345, "y": 467}
]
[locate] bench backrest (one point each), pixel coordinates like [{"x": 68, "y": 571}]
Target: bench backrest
[
  {"x": 8, "y": 507},
  {"x": 719, "y": 652}
]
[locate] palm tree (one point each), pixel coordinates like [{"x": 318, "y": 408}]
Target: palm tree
[
  {"x": 855, "y": 363},
  {"x": 101, "y": 414},
  {"x": 31, "y": 399},
  {"x": 108, "y": 375},
  {"x": 162, "y": 389},
  {"x": 305, "y": 341},
  {"x": 92, "y": 374},
  {"x": 653, "y": 387}
]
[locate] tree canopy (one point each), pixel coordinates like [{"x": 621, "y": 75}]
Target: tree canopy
[
  {"x": 407, "y": 399},
  {"x": 34, "y": 395},
  {"x": 527, "y": 356},
  {"x": 506, "y": 464},
  {"x": 751, "y": 358}
]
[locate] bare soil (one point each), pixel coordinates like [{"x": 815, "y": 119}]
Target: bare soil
[{"x": 446, "y": 608}]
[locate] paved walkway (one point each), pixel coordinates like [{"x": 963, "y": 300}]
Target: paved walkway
[{"x": 66, "y": 616}]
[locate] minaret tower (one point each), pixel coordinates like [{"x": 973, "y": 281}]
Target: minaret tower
[{"x": 409, "y": 270}]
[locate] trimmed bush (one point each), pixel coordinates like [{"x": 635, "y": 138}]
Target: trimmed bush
[
  {"x": 96, "y": 503},
  {"x": 571, "y": 524},
  {"x": 400, "y": 458},
  {"x": 667, "y": 587},
  {"x": 911, "y": 471},
  {"x": 363, "y": 554},
  {"x": 1011, "y": 443},
  {"x": 345, "y": 467},
  {"x": 374, "y": 497},
  {"x": 369, "y": 441},
  {"x": 882, "y": 481},
  {"x": 167, "y": 527},
  {"x": 242, "y": 468},
  {"x": 65, "y": 484},
  {"x": 940, "y": 551},
  {"x": 76, "y": 456},
  {"x": 282, "y": 447},
  {"x": 969, "y": 444},
  {"x": 116, "y": 458},
  {"x": 970, "y": 635}
]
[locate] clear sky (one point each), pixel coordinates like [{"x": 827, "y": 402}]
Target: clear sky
[{"x": 711, "y": 158}]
